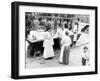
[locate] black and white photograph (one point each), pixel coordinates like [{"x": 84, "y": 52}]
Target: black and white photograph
[
  {"x": 56, "y": 40},
  {"x": 51, "y": 40}
]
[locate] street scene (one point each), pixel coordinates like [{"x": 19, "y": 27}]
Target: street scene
[{"x": 56, "y": 40}]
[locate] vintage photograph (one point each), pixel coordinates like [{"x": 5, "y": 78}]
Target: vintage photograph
[
  {"x": 51, "y": 40},
  {"x": 56, "y": 40}
]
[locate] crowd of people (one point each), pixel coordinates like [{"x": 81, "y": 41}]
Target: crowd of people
[
  {"x": 53, "y": 23},
  {"x": 55, "y": 26}
]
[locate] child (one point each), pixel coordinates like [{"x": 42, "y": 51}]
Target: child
[{"x": 85, "y": 57}]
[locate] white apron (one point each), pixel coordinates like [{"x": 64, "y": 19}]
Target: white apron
[{"x": 48, "y": 48}]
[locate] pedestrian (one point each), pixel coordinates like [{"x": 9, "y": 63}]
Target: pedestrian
[
  {"x": 65, "y": 49},
  {"x": 48, "y": 46},
  {"x": 75, "y": 26},
  {"x": 74, "y": 38},
  {"x": 85, "y": 56}
]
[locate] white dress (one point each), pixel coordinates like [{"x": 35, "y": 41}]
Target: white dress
[{"x": 48, "y": 47}]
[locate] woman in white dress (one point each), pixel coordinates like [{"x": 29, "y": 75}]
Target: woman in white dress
[{"x": 48, "y": 46}]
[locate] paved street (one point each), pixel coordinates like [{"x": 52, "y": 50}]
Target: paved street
[{"x": 75, "y": 59}]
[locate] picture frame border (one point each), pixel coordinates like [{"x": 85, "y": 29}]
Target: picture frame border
[{"x": 15, "y": 39}]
